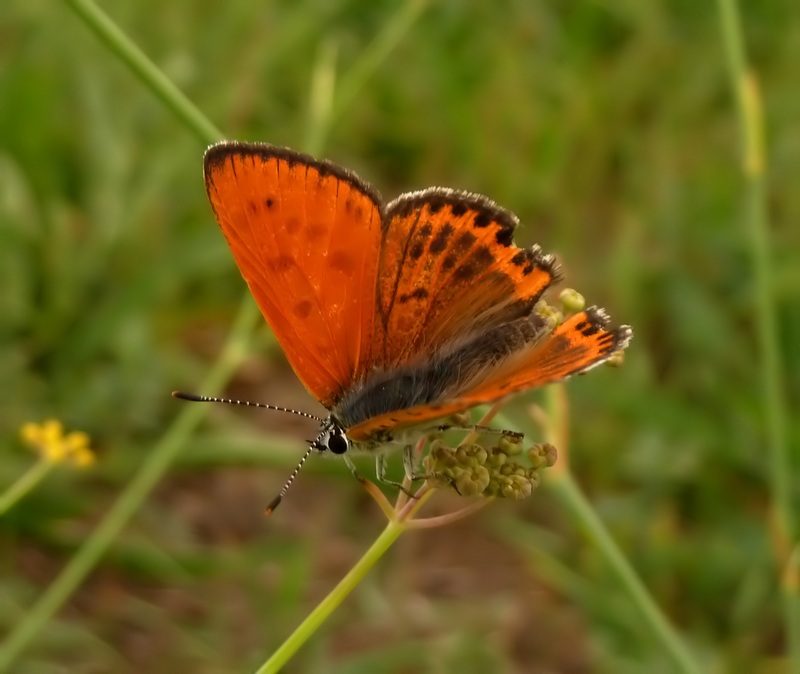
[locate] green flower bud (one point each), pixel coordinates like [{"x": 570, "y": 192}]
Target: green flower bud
[
  {"x": 497, "y": 458},
  {"x": 510, "y": 444},
  {"x": 571, "y": 301},
  {"x": 471, "y": 483},
  {"x": 551, "y": 315},
  {"x": 542, "y": 455},
  {"x": 463, "y": 455},
  {"x": 441, "y": 454},
  {"x": 493, "y": 488},
  {"x": 459, "y": 419},
  {"x": 517, "y": 488}
]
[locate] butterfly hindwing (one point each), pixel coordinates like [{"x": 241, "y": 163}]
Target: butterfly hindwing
[
  {"x": 448, "y": 268},
  {"x": 582, "y": 341},
  {"x": 579, "y": 343}
]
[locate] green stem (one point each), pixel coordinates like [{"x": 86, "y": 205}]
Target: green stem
[
  {"x": 27, "y": 481},
  {"x": 570, "y": 495},
  {"x": 154, "y": 466},
  {"x": 321, "y": 613},
  {"x": 562, "y": 485},
  {"x": 370, "y": 60},
  {"x": 147, "y": 71},
  {"x": 745, "y": 86},
  {"x": 158, "y": 460},
  {"x": 375, "y": 54}
]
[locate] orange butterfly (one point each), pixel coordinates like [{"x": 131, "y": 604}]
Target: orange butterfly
[{"x": 392, "y": 315}]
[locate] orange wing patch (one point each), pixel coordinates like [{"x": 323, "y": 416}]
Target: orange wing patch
[
  {"x": 449, "y": 268},
  {"x": 578, "y": 344},
  {"x": 305, "y": 235}
]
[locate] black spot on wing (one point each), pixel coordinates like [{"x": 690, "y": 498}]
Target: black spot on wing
[
  {"x": 477, "y": 263},
  {"x": 420, "y": 238},
  {"x": 504, "y": 236},
  {"x": 418, "y": 294},
  {"x": 482, "y": 219},
  {"x": 461, "y": 246},
  {"x": 521, "y": 258},
  {"x": 435, "y": 205},
  {"x": 587, "y": 329},
  {"x": 439, "y": 242},
  {"x": 463, "y": 243},
  {"x": 459, "y": 208}
]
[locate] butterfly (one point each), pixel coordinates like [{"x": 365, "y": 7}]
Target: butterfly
[{"x": 393, "y": 315}]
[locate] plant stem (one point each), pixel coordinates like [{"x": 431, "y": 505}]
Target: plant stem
[
  {"x": 327, "y": 606},
  {"x": 570, "y": 495},
  {"x": 370, "y": 60},
  {"x": 578, "y": 507},
  {"x": 154, "y": 466},
  {"x": 754, "y": 161},
  {"x": 147, "y": 71},
  {"x": 27, "y": 481}
]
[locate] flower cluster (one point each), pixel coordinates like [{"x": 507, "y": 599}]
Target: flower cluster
[
  {"x": 478, "y": 470},
  {"x": 50, "y": 442}
]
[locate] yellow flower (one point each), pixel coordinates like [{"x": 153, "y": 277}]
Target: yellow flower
[{"x": 49, "y": 440}]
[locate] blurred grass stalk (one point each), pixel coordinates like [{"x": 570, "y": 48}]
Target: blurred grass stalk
[
  {"x": 148, "y": 72},
  {"x": 26, "y": 482},
  {"x": 314, "y": 620},
  {"x": 394, "y": 529},
  {"x": 754, "y": 161},
  {"x": 235, "y": 348},
  {"x": 560, "y": 482}
]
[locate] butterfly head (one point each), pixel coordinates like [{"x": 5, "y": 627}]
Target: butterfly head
[{"x": 331, "y": 438}]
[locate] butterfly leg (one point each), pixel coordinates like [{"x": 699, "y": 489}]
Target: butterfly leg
[
  {"x": 411, "y": 467},
  {"x": 349, "y": 463},
  {"x": 410, "y": 463},
  {"x": 480, "y": 430},
  {"x": 380, "y": 472}
]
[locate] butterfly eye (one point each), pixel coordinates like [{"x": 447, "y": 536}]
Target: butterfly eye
[{"x": 337, "y": 442}]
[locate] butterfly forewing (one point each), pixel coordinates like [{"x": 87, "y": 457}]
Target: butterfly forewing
[{"x": 305, "y": 235}]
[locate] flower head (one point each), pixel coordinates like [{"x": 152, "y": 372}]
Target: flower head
[
  {"x": 502, "y": 469},
  {"x": 50, "y": 442}
]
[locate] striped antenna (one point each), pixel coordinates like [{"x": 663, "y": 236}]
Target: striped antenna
[
  {"x": 191, "y": 397},
  {"x": 274, "y": 503}
]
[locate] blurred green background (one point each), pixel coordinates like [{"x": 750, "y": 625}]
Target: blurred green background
[{"x": 609, "y": 127}]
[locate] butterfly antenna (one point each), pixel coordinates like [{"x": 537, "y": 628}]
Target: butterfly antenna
[
  {"x": 274, "y": 503},
  {"x": 191, "y": 397}
]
